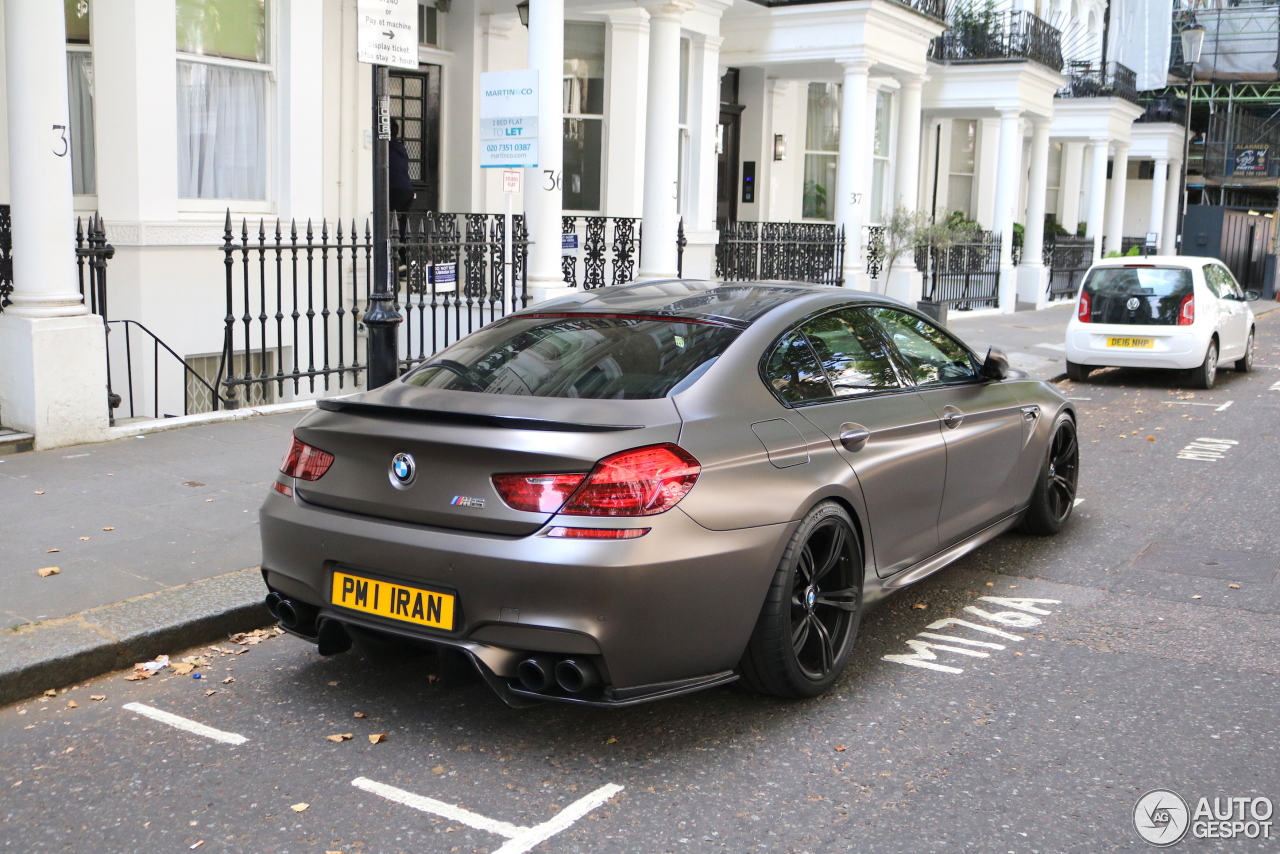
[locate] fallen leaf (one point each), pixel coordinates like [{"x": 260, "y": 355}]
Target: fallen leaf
[
  {"x": 377, "y": 737},
  {"x": 183, "y": 668},
  {"x": 360, "y": 715},
  {"x": 39, "y": 492},
  {"x": 108, "y": 529},
  {"x": 51, "y": 551},
  {"x": 210, "y": 692},
  {"x": 340, "y": 736},
  {"x": 919, "y": 606},
  {"x": 991, "y": 584},
  {"x": 192, "y": 483},
  {"x": 138, "y": 675},
  {"x": 46, "y": 571},
  {"x": 85, "y": 538},
  {"x": 439, "y": 769},
  {"x": 299, "y": 807},
  {"x": 839, "y": 748},
  {"x": 208, "y": 499},
  {"x": 68, "y": 750},
  {"x": 16, "y": 785},
  {"x": 51, "y": 693},
  {"x": 72, "y": 704},
  {"x": 1234, "y": 586},
  {"x": 610, "y": 740},
  {"x": 331, "y": 684},
  {"x": 228, "y": 680},
  {"x": 1151, "y": 438},
  {"x": 97, "y": 696},
  {"x": 1197, "y": 596}
]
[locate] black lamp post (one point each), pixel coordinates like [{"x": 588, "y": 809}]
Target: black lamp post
[
  {"x": 1192, "y": 43},
  {"x": 381, "y": 320}
]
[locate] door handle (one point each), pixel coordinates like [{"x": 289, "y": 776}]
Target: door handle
[
  {"x": 952, "y": 417},
  {"x": 854, "y": 436}
]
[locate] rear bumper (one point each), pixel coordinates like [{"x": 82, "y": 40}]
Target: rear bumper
[
  {"x": 1172, "y": 350},
  {"x": 675, "y": 605}
]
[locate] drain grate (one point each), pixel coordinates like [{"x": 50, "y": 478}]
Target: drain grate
[{"x": 1208, "y": 563}]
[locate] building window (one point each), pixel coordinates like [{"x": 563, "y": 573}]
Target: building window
[
  {"x": 223, "y": 74},
  {"x": 1053, "y": 180},
  {"x": 583, "y": 115},
  {"x": 821, "y": 151},
  {"x": 964, "y": 147},
  {"x": 84, "y": 168},
  {"x": 429, "y": 22},
  {"x": 880, "y": 157}
]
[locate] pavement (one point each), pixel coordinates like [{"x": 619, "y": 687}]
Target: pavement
[{"x": 1153, "y": 661}]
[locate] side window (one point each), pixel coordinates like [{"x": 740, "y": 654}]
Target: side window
[
  {"x": 793, "y": 372},
  {"x": 932, "y": 356},
  {"x": 852, "y": 353},
  {"x": 1211, "y": 278},
  {"x": 1229, "y": 283}
]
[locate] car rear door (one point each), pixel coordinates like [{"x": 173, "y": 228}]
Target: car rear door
[
  {"x": 982, "y": 423},
  {"x": 1233, "y": 328},
  {"x": 883, "y": 430}
]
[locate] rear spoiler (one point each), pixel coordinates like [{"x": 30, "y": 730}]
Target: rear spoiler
[{"x": 438, "y": 416}]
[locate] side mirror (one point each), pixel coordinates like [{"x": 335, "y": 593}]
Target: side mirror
[
  {"x": 996, "y": 365},
  {"x": 1250, "y": 296}
]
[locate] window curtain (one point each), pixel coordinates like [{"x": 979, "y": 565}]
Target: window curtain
[
  {"x": 222, "y": 135},
  {"x": 84, "y": 168}
]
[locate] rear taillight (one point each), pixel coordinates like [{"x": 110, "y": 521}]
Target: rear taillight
[
  {"x": 1085, "y": 312},
  {"x": 538, "y": 493},
  {"x": 641, "y": 482},
  {"x": 1187, "y": 311},
  {"x": 305, "y": 462},
  {"x": 598, "y": 533}
]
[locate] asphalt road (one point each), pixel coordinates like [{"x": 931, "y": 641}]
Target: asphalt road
[{"x": 1157, "y": 665}]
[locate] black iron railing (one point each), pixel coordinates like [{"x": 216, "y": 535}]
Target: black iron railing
[
  {"x": 981, "y": 33},
  {"x": 452, "y": 277},
  {"x": 1068, "y": 259},
  {"x": 606, "y": 247},
  {"x": 875, "y": 250},
  {"x": 6, "y": 256},
  {"x": 786, "y": 251},
  {"x": 164, "y": 360},
  {"x": 1094, "y": 80},
  {"x": 964, "y": 275}
]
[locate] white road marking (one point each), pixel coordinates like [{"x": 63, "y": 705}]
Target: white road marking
[
  {"x": 1224, "y": 406},
  {"x": 520, "y": 839},
  {"x": 1078, "y": 502},
  {"x": 1079, "y": 398},
  {"x": 185, "y": 724},
  {"x": 922, "y": 652},
  {"x": 1207, "y": 450},
  {"x": 1275, "y": 386},
  {"x": 1217, "y": 407},
  {"x": 1057, "y": 348}
]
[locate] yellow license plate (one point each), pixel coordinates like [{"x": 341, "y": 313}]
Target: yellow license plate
[
  {"x": 1141, "y": 343},
  {"x": 394, "y": 601}
]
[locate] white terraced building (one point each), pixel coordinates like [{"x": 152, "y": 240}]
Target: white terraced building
[{"x": 688, "y": 124}]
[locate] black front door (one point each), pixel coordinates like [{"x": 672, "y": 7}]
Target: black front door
[
  {"x": 727, "y": 144},
  {"x": 415, "y": 100}
]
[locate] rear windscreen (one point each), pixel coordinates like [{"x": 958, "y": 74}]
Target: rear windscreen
[
  {"x": 1137, "y": 295},
  {"x": 583, "y": 356}
]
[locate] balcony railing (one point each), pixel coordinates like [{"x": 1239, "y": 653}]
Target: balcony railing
[
  {"x": 1163, "y": 110},
  {"x": 979, "y": 34},
  {"x": 936, "y": 9},
  {"x": 1108, "y": 80}
]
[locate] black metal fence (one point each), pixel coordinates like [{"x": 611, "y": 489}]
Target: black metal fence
[
  {"x": 787, "y": 251},
  {"x": 981, "y": 33},
  {"x": 965, "y": 275},
  {"x": 1100, "y": 80},
  {"x": 452, "y": 277},
  {"x": 1068, "y": 258},
  {"x": 608, "y": 248},
  {"x": 6, "y": 256}
]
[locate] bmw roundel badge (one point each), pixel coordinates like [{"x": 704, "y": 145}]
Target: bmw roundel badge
[{"x": 403, "y": 470}]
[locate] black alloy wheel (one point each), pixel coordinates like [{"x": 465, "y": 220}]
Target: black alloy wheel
[
  {"x": 810, "y": 618},
  {"x": 1054, "y": 495}
]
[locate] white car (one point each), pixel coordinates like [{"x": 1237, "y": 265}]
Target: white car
[{"x": 1178, "y": 312}]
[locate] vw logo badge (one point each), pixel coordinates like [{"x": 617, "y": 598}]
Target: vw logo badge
[
  {"x": 403, "y": 470},
  {"x": 1133, "y": 304}
]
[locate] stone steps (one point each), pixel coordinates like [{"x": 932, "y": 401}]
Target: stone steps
[{"x": 15, "y": 441}]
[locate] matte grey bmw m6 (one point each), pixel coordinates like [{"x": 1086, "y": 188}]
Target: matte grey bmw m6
[{"x": 639, "y": 491}]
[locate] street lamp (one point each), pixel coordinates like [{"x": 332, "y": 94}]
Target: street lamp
[{"x": 1192, "y": 44}]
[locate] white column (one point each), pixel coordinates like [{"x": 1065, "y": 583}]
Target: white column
[
  {"x": 542, "y": 199},
  {"x": 1119, "y": 182},
  {"x": 905, "y": 281},
  {"x": 1155, "y": 221},
  {"x": 661, "y": 142},
  {"x": 1032, "y": 273},
  {"x": 52, "y": 356},
  {"x": 628, "y": 59},
  {"x": 1072, "y": 177},
  {"x": 1169, "y": 233},
  {"x": 851, "y": 194},
  {"x": 1097, "y": 194},
  {"x": 1008, "y": 175}
]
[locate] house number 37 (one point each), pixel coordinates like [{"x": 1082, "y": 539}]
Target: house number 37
[{"x": 61, "y": 141}]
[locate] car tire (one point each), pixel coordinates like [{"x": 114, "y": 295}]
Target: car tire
[
  {"x": 807, "y": 627},
  {"x": 1077, "y": 373},
  {"x": 1053, "y": 497},
  {"x": 1244, "y": 364},
  {"x": 1205, "y": 375}
]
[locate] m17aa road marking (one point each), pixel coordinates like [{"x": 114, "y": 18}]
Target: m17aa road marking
[
  {"x": 521, "y": 839},
  {"x": 186, "y": 725},
  {"x": 1207, "y": 450},
  {"x": 922, "y": 651}
]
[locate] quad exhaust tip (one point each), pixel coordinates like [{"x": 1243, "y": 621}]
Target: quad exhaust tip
[
  {"x": 273, "y": 604},
  {"x": 575, "y": 675},
  {"x": 537, "y": 673}
]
